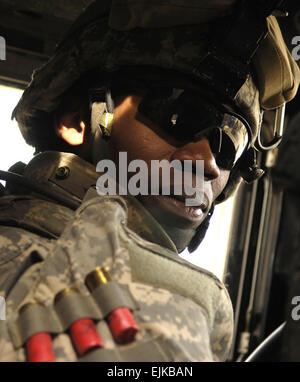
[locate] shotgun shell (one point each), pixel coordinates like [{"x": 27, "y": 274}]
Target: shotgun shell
[
  {"x": 38, "y": 346},
  {"x": 120, "y": 321},
  {"x": 83, "y": 332}
]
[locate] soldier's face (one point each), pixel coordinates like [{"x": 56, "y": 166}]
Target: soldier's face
[{"x": 140, "y": 138}]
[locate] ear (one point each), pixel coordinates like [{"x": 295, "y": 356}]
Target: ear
[{"x": 71, "y": 128}]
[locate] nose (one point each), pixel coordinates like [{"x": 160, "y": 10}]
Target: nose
[{"x": 199, "y": 150}]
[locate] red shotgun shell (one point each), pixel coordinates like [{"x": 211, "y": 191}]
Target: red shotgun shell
[
  {"x": 122, "y": 325},
  {"x": 85, "y": 336},
  {"x": 39, "y": 345},
  {"x": 39, "y": 348},
  {"x": 120, "y": 321},
  {"x": 83, "y": 331}
]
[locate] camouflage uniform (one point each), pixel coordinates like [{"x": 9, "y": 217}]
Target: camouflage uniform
[{"x": 183, "y": 312}]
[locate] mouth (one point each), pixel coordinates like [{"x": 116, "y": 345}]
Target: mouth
[
  {"x": 178, "y": 205},
  {"x": 198, "y": 203},
  {"x": 172, "y": 210}
]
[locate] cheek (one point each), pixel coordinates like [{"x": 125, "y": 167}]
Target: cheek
[
  {"x": 138, "y": 140},
  {"x": 219, "y": 184}
]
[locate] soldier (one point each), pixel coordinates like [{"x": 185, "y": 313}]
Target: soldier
[{"x": 98, "y": 278}]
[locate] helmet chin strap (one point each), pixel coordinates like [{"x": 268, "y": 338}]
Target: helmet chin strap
[
  {"x": 201, "y": 231},
  {"x": 188, "y": 238},
  {"x": 180, "y": 237},
  {"x": 99, "y": 148}
]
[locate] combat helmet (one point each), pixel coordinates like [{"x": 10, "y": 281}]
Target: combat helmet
[{"x": 234, "y": 47}]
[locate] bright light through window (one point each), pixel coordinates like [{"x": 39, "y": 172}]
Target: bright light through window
[
  {"x": 210, "y": 255},
  {"x": 212, "y": 252},
  {"x": 12, "y": 145}
]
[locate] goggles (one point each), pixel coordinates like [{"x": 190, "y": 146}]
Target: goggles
[{"x": 186, "y": 116}]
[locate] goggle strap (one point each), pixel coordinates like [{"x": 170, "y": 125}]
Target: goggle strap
[
  {"x": 245, "y": 123},
  {"x": 98, "y": 109},
  {"x": 102, "y": 109}
]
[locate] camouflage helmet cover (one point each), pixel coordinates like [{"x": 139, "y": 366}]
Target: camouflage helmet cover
[{"x": 113, "y": 34}]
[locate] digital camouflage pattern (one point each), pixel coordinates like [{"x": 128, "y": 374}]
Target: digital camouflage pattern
[{"x": 183, "y": 312}]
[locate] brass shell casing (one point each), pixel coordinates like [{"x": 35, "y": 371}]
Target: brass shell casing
[
  {"x": 29, "y": 305},
  {"x": 98, "y": 276},
  {"x": 65, "y": 292}
]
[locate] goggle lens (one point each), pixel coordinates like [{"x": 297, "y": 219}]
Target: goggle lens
[{"x": 186, "y": 116}]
